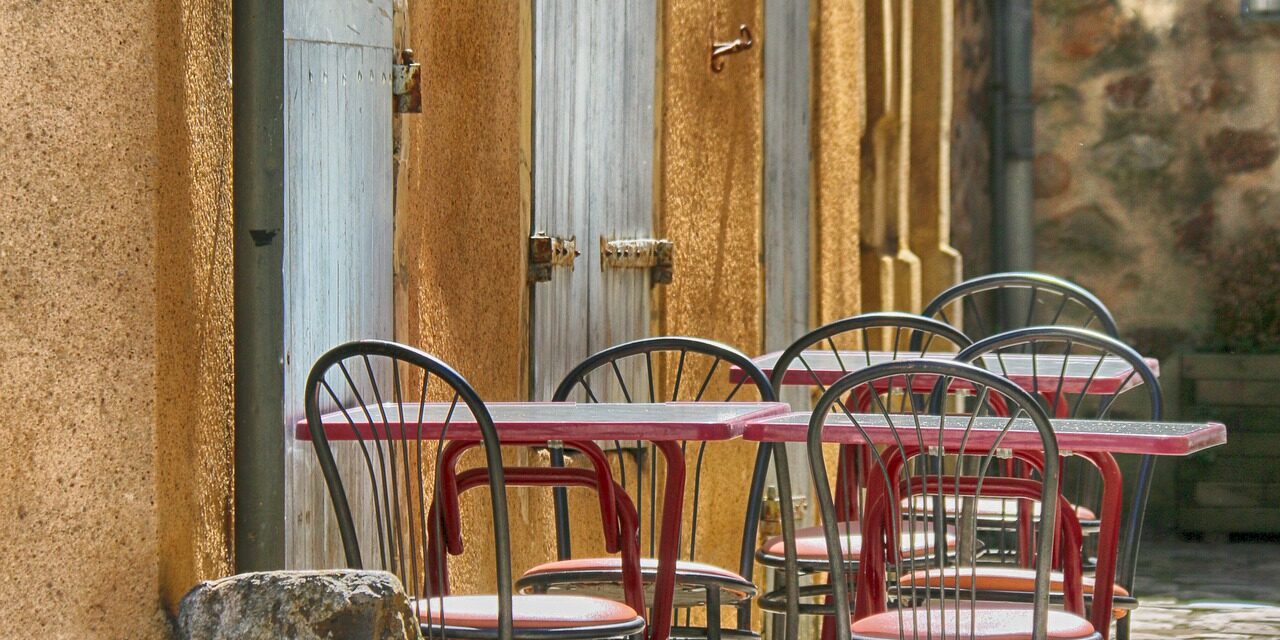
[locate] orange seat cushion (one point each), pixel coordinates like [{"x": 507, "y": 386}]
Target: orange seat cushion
[
  {"x": 811, "y": 543},
  {"x": 989, "y": 621},
  {"x": 997, "y": 579},
  {"x": 648, "y": 568},
  {"x": 528, "y": 612}
]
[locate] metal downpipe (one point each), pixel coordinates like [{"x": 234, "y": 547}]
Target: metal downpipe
[{"x": 257, "y": 28}]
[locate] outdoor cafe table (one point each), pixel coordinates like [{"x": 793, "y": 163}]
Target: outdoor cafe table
[
  {"x": 665, "y": 424},
  {"x": 1025, "y": 370},
  {"x": 1081, "y": 436}
]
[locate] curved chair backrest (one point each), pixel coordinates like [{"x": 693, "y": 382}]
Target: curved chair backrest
[
  {"x": 999, "y": 302},
  {"x": 398, "y": 405},
  {"x": 901, "y": 335},
  {"x": 1102, "y": 369},
  {"x": 931, "y": 446},
  {"x": 664, "y": 369}
]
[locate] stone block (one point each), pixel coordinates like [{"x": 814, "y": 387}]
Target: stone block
[{"x": 304, "y": 605}]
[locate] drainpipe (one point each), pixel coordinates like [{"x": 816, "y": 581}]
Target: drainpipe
[
  {"x": 1012, "y": 140},
  {"x": 257, "y": 28}
]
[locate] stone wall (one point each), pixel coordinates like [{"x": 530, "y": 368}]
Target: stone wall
[{"x": 1157, "y": 139}]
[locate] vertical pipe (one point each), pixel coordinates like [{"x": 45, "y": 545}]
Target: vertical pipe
[
  {"x": 257, "y": 131},
  {"x": 1012, "y": 145},
  {"x": 1018, "y": 248}
]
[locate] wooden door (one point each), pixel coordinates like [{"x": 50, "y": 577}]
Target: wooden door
[
  {"x": 338, "y": 226},
  {"x": 593, "y": 88}
]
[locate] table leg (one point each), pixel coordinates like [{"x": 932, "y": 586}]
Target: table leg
[{"x": 669, "y": 541}]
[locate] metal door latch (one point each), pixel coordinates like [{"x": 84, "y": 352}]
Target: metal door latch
[
  {"x": 641, "y": 253},
  {"x": 547, "y": 251},
  {"x": 737, "y": 45},
  {"x": 406, "y": 84}
]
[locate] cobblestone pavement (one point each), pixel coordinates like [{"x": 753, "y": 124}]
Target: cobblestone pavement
[{"x": 1219, "y": 591}]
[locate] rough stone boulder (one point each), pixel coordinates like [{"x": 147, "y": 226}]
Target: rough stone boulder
[{"x": 306, "y": 605}]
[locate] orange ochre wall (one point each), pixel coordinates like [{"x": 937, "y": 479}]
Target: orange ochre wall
[{"x": 115, "y": 312}]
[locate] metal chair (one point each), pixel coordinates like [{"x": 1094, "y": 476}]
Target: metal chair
[
  {"x": 901, "y": 335},
  {"x": 999, "y": 302},
  {"x": 1090, "y": 481},
  {"x": 939, "y": 445},
  {"x": 378, "y": 394},
  {"x": 658, "y": 370}
]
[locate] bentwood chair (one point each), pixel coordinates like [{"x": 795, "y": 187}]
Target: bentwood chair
[
  {"x": 399, "y": 406},
  {"x": 1102, "y": 370},
  {"x": 849, "y": 342},
  {"x": 999, "y": 302},
  {"x": 931, "y": 447},
  {"x": 664, "y": 369}
]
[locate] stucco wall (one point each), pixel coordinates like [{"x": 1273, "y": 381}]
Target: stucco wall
[
  {"x": 194, "y": 301},
  {"x": 839, "y": 117},
  {"x": 114, "y": 277},
  {"x": 462, "y": 221},
  {"x": 929, "y": 197},
  {"x": 710, "y": 206},
  {"x": 1157, "y": 140}
]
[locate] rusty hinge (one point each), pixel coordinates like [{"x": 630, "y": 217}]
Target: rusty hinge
[
  {"x": 406, "y": 84},
  {"x": 547, "y": 251},
  {"x": 641, "y": 253}
]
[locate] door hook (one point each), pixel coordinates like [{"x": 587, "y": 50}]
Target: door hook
[{"x": 721, "y": 49}]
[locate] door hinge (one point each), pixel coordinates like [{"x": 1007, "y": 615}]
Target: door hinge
[
  {"x": 547, "y": 251},
  {"x": 640, "y": 253},
  {"x": 406, "y": 84}
]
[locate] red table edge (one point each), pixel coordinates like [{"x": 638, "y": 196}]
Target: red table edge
[
  {"x": 1213, "y": 434},
  {"x": 798, "y": 377},
  {"x": 634, "y": 430}
]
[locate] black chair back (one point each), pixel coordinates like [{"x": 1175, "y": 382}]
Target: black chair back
[
  {"x": 999, "y": 302},
  {"x": 398, "y": 406},
  {"x": 666, "y": 369},
  {"x": 933, "y": 447}
]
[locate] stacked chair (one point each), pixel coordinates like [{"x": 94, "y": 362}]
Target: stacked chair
[
  {"x": 923, "y": 536},
  {"x": 897, "y": 591},
  {"x": 899, "y": 334},
  {"x": 1092, "y": 482}
]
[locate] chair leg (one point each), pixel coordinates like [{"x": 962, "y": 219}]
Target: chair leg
[
  {"x": 1122, "y": 627},
  {"x": 713, "y": 613}
]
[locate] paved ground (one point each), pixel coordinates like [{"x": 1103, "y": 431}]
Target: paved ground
[{"x": 1220, "y": 591}]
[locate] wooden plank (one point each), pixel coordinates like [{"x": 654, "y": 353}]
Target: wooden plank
[
  {"x": 787, "y": 172},
  {"x": 1228, "y": 519},
  {"x": 1231, "y": 467},
  {"x": 593, "y": 133},
  {"x": 338, "y": 231},
  {"x": 1237, "y": 419},
  {"x": 1239, "y": 442},
  {"x": 1237, "y": 393},
  {"x": 357, "y": 22},
  {"x": 1231, "y": 367},
  {"x": 1236, "y": 494}
]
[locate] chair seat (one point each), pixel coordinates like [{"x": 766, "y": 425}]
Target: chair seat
[
  {"x": 990, "y": 508},
  {"x": 1016, "y": 580},
  {"x": 989, "y": 578},
  {"x": 989, "y": 621},
  {"x": 570, "y": 616},
  {"x": 811, "y": 544},
  {"x": 602, "y": 577}
]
